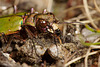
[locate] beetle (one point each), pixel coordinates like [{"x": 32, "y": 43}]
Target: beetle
[
  {"x": 13, "y": 23},
  {"x": 34, "y": 22},
  {"x": 10, "y": 25},
  {"x": 43, "y": 22},
  {"x": 47, "y": 22}
]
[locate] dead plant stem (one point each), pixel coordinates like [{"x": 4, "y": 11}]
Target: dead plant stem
[
  {"x": 88, "y": 14},
  {"x": 76, "y": 59},
  {"x": 97, "y": 8}
]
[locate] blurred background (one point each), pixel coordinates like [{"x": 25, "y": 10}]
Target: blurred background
[
  {"x": 67, "y": 11},
  {"x": 55, "y": 6},
  {"x": 59, "y": 7}
]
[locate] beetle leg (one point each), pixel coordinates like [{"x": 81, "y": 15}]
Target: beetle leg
[
  {"x": 59, "y": 39},
  {"x": 4, "y": 38},
  {"x": 31, "y": 36},
  {"x": 8, "y": 43}
]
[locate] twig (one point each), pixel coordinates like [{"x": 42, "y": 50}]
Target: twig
[
  {"x": 49, "y": 7},
  {"x": 66, "y": 56},
  {"x": 83, "y": 22},
  {"x": 75, "y": 7},
  {"x": 64, "y": 30},
  {"x": 97, "y": 8},
  {"x": 16, "y": 2},
  {"x": 95, "y": 47},
  {"x": 81, "y": 16},
  {"x": 77, "y": 28},
  {"x": 88, "y": 14},
  {"x": 99, "y": 61},
  {"x": 97, "y": 40},
  {"x": 76, "y": 59},
  {"x": 69, "y": 58},
  {"x": 86, "y": 57},
  {"x": 87, "y": 54}
]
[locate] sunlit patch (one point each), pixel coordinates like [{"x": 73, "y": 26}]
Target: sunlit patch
[
  {"x": 55, "y": 26},
  {"x": 9, "y": 30},
  {"x": 44, "y": 22},
  {"x": 19, "y": 28},
  {"x": 3, "y": 7},
  {"x": 50, "y": 30},
  {"x": 36, "y": 12},
  {"x": 69, "y": 34}
]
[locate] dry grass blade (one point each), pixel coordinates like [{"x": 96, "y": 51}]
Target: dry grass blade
[
  {"x": 88, "y": 14},
  {"x": 86, "y": 57},
  {"x": 49, "y": 7},
  {"x": 69, "y": 58},
  {"x": 75, "y": 7},
  {"x": 87, "y": 54},
  {"x": 95, "y": 46},
  {"x": 76, "y": 59},
  {"x": 99, "y": 61},
  {"x": 16, "y": 2},
  {"x": 81, "y": 16},
  {"x": 97, "y": 8}
]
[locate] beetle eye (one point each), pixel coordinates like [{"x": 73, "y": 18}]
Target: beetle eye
[{"x": 44, "y": 22}]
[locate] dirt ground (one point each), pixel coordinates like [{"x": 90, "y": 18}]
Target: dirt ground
[{"x": 65, "y": 33}]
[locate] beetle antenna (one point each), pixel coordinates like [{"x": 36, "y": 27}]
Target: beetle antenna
[
  {"x": 44, "y": 11},
  {"x": 15, "y": 9},
  {"x": 24, "y": 19},
  {"x": 32, "y": 10}
]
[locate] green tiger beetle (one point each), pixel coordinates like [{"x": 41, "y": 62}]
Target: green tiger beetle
[
  {"x": 9, "y": 25},
  {"x": 43, "y": 22},
  {"x": 38, "y": 22}
]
